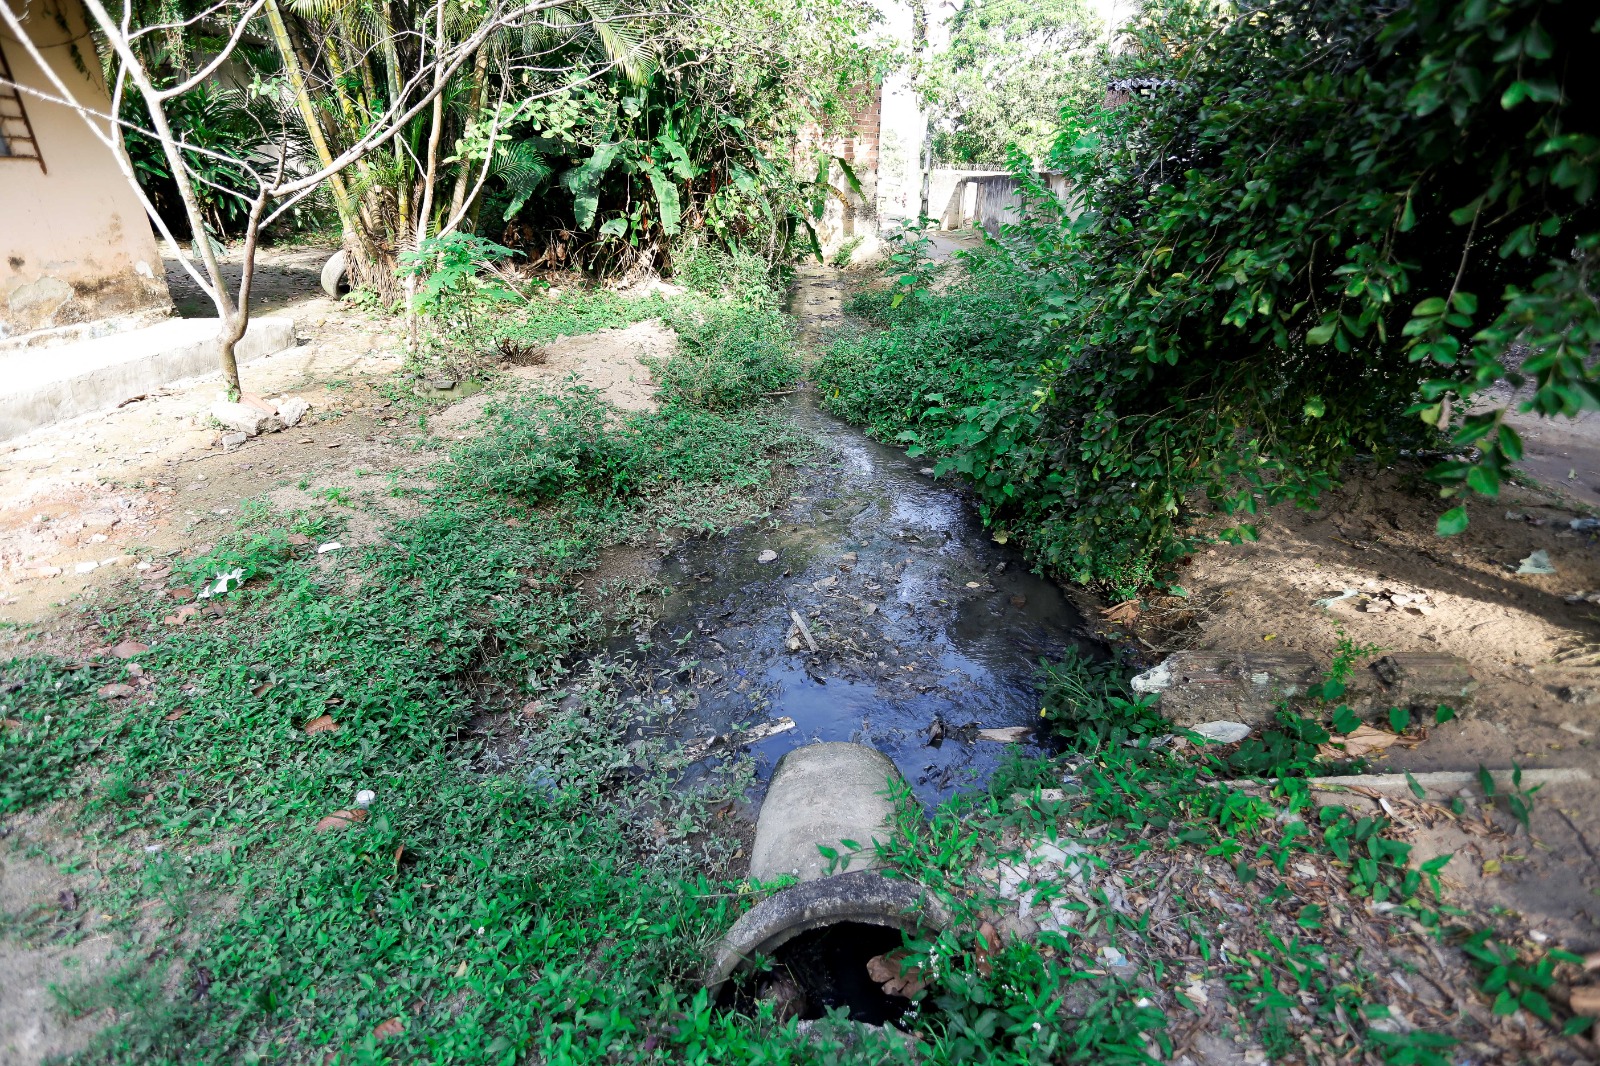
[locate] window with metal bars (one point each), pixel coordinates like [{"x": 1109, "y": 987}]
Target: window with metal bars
[{"x": 17, "y": 141}]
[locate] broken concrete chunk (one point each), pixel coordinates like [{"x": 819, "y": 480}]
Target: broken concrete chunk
[
  {"x": 242, "y": 418},
  {"x": 1244, "y": 688},
  {"x": 232, "y": 440},
  {"x": 291, "y": 409},
  {"x": 1420, "y": 679}
]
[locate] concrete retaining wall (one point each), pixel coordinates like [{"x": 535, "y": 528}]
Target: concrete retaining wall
[{"x": 40, "y": 386}]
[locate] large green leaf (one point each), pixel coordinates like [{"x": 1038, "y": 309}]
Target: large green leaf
[
  {"x": 666, "y": 199},
  {"x": 583, "y": 181}
]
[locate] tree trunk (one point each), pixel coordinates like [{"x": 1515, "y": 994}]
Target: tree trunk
[
  {"x": 480, "y": 73},
  {"x": 364, "y": 268}
]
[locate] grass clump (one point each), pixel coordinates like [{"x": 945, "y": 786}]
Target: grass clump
[{"x": 729, "y": 356}]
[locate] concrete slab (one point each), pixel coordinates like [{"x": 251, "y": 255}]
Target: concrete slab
[{"x": 39, "y": 386}]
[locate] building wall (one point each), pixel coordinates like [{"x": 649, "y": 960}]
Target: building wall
[{"x": 75, "y": 245}]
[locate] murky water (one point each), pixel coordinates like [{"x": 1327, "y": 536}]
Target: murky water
[{"x": 925, "y": 629}]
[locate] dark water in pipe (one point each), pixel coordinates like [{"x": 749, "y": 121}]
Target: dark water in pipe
[{"x": 932, "y": 631}]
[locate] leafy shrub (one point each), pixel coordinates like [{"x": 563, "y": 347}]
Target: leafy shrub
[
  {"x": 1089, "y": 704},
  {"x": 1232, "y": 313},
  {"x": 738, "y": 275},
  {"x": 729, "y": 356}
]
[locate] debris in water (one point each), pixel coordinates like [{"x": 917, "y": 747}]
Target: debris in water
[
  {"x": 805, "y": 631},
  {"x": 1013, "y": 734}
]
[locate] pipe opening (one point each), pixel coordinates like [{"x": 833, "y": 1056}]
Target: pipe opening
[{"x": 825, "y": 969}]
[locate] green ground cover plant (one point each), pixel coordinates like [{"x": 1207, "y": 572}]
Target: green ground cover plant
[
  {"x": 543, "y": 892},
  {"x": 1164, "y": 876},
  {"x": 1322, "y": 235}
]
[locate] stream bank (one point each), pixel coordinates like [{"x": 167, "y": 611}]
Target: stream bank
[{"x": 920, "y": 630}]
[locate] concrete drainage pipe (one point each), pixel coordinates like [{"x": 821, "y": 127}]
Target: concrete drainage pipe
[{"x": 822, "y": 932}]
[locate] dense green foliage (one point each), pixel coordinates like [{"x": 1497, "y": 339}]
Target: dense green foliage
[
  {"x": 1331, "y": 216},
  {"x": 584, "y": 133},
  {"x": 1003, "y": 77}
]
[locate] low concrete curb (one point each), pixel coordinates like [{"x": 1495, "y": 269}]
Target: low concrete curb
[{"x": 41, "y": 386}]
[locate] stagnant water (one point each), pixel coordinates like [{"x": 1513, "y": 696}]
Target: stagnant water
[{"x": 926, "y": 629}]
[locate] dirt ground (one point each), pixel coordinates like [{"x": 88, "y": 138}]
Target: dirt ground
[
  {"x": 83, "y": 501},
  {"x": 1535, "y": 654}
]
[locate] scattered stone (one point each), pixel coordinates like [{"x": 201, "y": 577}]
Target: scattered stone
[
  {"x": 767, "y": 556},
  {"x": 1243, "y": 687},
  {"x": 849, "y": 557},
  {"x": 291, "y": 409},
  {"x": 242, "y": 418},
  {"x": 1580, "y": 695},
  {"x": 441, "y": 383},
  {"x": 127, "y": 649},
  {"x": 974, "y": 585},
  {"x": 230, "y": 441},
  {"x": 116, "y": 691},
  {"x": 365, "y": 798},
  {"x": 1585, "y": 524}
]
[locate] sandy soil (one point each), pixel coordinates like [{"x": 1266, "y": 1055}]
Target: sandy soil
[{"x": 1539, "y": 701}]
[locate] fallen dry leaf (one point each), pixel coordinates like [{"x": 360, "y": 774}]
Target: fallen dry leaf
[
  {"x": 11, "y": 723},
  {"x": 988, "y": 944},
  {"x": 891, "y": 972},
  {"x": 341, "y": 820},
  {"x": 398, "y": 852},
  {"x": 299, "y": 539},
  {"x": 177, "y": 714},
  {"x": 127, "y": 649},
  {"x": 181, "y": 615},
  {"x": 321, "y": 724},
  {"x": 1364, "y": 740},
  {"x": 385, "y": 1030},
  {"x": 1122, "y": 613},
  {"x": 182, "y": 593},
  {"x": 1586, "y": 1001},
  {"x": 263, "y": 688}
]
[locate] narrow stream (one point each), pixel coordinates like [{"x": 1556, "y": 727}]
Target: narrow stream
[{"x": 925, "y": 629}]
